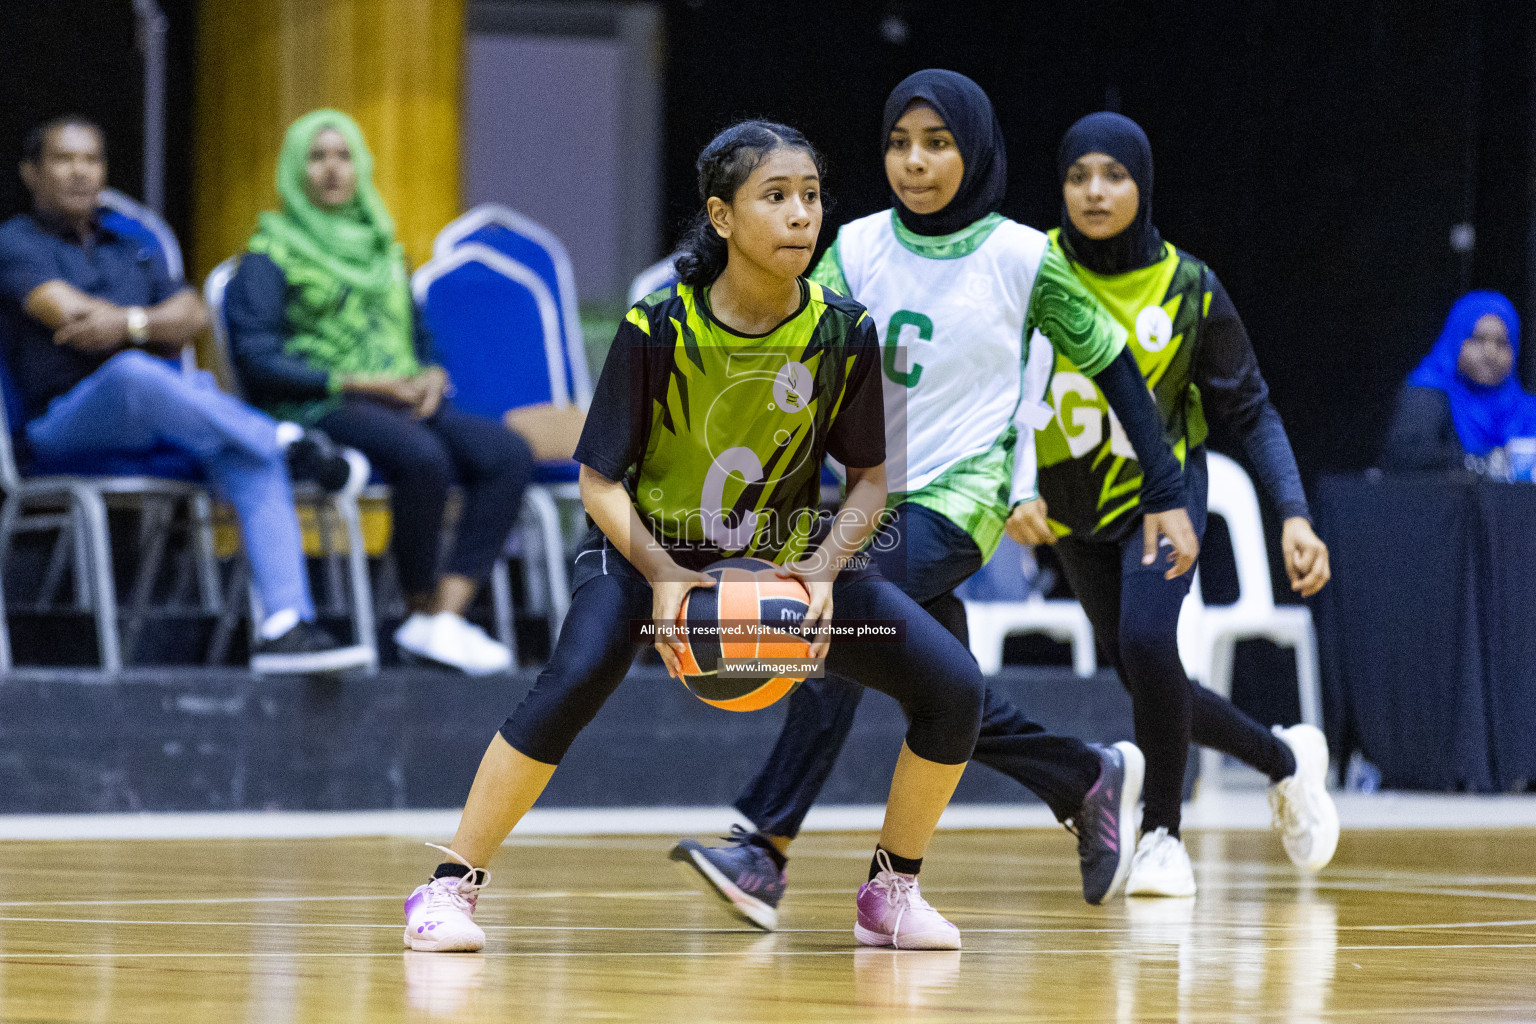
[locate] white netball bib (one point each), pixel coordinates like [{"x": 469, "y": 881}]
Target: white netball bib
[{"x": 951, "y": 314}]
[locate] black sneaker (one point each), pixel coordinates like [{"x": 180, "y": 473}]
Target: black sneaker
[
  {"x": 304, "y": 650},
  {"x": 741, "y": 873},
  {"x": 315, "y": 458},
  {"x": 1105, "y": 825}
]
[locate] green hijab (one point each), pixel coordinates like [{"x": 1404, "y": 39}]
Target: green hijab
[
  {"x": 349, "y": 299},
  {"x": 355, "y": 242}
]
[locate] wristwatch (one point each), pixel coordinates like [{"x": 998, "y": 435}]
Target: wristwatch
[{"x": 138, "y": 325}]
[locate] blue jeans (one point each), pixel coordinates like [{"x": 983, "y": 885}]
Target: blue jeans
[
  {"x": 137, "y": 405},
  {"x": 931, "y": 557}
]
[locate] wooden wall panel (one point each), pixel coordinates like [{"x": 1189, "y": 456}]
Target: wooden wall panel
[{"x": 394, "y": 65}]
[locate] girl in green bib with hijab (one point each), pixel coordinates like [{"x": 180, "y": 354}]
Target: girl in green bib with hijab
[
  {"x": 1199, "y": 365},
  {"x": 324, "y": 332}
]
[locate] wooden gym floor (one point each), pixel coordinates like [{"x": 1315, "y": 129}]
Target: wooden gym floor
[{"x": 1405, "y": 926}]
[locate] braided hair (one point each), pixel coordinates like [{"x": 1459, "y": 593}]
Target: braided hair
[{"x": 724, "y": 166}]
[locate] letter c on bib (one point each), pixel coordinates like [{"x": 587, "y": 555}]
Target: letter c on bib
[
  {"x": 742, "y": 461},
  {"x": 900, "y": 320}
]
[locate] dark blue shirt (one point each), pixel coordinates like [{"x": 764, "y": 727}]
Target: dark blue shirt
[{"x": 109, "y": 266}]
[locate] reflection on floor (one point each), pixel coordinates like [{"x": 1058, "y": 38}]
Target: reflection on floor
[{"x": 1405, "y": 926}]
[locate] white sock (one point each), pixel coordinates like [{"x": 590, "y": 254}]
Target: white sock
[
  {"x": 287, "y": 433},
  {"x": 279, "y": 623}
]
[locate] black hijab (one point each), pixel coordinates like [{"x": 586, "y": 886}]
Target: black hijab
[
  {"x": 1139, "y": 245},
  {"x": 967, "y": 113}
]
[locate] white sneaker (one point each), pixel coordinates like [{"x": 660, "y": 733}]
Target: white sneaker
[
  {"x": 440, "y": 915},
  {"x": 1160, "y": 867},
  {"x": 1303, "y": 811},
  {"x": 449, "y": 639},
  {"x": 892, "y": 912}
]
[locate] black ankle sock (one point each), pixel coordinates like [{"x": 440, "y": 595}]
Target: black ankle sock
[
  {"x": 448, "y": 869},
  {"x": 905, "y": 865},
  {"x": 762, "y": 842}
]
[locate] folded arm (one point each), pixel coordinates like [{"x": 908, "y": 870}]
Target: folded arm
[{"x": 90, "y": 324}]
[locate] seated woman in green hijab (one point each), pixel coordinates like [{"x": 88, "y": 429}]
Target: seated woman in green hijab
[{"x": 324, "y": 332}]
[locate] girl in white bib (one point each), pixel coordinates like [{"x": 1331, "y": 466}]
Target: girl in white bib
[{"x": 968, "y": 305}]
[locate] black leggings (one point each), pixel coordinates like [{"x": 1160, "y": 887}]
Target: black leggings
[
  {"x": 420, "y": 459},
  {"x": 1135, "y": 616},
  {"x": 930, "y": 674}
]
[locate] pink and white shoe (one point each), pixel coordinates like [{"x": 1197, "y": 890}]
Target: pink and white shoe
[
  {"x": 440, "y": 916},
  {"x": 892, "y": 912}
]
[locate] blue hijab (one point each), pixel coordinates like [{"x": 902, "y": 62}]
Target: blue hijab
[
  {"x": 1485, "y": 417},
  {"x": 1139, "y": 245},
  {"x": 966, "y": 111}
]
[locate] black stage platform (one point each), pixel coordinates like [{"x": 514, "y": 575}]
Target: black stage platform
[{"x": 216, "y": 740}]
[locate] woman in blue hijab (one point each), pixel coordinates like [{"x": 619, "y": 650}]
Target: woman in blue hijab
[{"x": 1464, "y": 398}]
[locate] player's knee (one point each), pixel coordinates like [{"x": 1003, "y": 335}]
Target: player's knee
[
  {"x": 552, "y": 715},
  {"x": 947, "y": 717},
  {"x": 1145, "y": 650},
  {"x": 570, "y": 691}
]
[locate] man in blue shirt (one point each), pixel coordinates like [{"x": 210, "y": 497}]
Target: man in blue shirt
[{"x": 87, "y": 316}]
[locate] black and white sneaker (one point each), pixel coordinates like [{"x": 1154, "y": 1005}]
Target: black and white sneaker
[
  {"x": 1106, "y": 823},
  {"x": 315, "y": 458},
  {"x": 306, "y": 649}
]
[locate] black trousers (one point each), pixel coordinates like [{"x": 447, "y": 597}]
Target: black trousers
[
  {"x": 1135, "y": 616},
  {"x": 420, "y": 460}
]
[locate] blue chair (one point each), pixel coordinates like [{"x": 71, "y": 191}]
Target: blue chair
[
  {"x": 498, "y": 333},
  {"x": 537, "y": 249},
  {"x": 345, "y": 509},
  {"x": 72, "y": 499},
  {"x": 129, "y": 217}
]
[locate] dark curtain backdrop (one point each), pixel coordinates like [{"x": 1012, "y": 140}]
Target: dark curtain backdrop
[
  {"x": 1315, "y": 153},
  {"x": 81, "y": 57}
]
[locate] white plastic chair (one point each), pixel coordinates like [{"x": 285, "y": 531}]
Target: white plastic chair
[
  {"x": 1208, "y": 634},
  {"x": 658, "y": 275},
  {"x": 992, "y": 622}
]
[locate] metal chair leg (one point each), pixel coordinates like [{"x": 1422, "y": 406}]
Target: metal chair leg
[
  {"x": 335, "y": 581},
  {"x": 79, "y": 530},
  {"x": 155, "y": 518},
  {"x": 501, "y": 605},
  {"x": 1308, "y": 692},
  {"x": 58, "y": 561},
  {"x": 200, "y": 507},
  {"x": 543, "y": 506},
  {"x": 8, "y": 516},
  {"x": 98, "y": 545},
  {"x": 363, "y": 625},
  {"x": 229, "y": 615}
]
